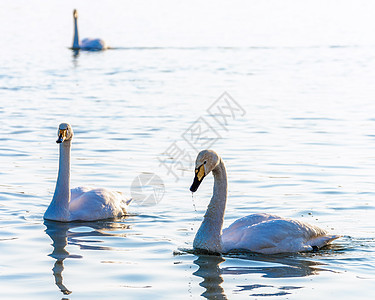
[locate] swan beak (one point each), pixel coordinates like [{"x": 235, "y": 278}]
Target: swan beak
[
  {"x": 199, "y": 175},
  {"x": 62, "y": 136}
]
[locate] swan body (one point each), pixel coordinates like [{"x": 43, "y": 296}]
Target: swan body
[
  {"x": 262, "y": 233},
  {"x": 82, "y": 203},
  {"x": 87, "y": 44},
  {"x": 93, "y": 44}
]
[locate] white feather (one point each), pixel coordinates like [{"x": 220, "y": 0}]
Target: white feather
[
  {"x": 87, "y": 44},
  {"x": 263, "y": 233},
  {"x": 82, "y": 203}
]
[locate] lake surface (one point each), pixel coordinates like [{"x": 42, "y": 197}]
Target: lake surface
[{"x": 298, "y": 142}]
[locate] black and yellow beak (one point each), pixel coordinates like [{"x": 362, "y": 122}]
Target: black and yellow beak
[
  {"x": 199, "y": 175},
  {"x": 62, "y": 136}
]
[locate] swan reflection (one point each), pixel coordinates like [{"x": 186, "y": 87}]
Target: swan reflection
[
  {"x": 275, "y": 266},
  {"x": 210, "y": 271},
  {"x": 63, "y": 234}
]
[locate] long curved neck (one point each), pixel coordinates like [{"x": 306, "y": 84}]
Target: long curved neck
[
  {"x": 61, "y": 198},
  {"x": 208, "y": 236},
  {"x": 76, "y": 37}
]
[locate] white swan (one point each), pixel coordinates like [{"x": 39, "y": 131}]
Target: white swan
[
  {"x": 87, "y": 44},
  {"x": 263, "y": 233},
  {"x": 81, "y": 203}
]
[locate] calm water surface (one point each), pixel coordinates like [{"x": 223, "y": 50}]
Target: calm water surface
[{"x": 303, "y": 146}]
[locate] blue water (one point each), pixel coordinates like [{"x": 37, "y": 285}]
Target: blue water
[{"x": 301, "y": 144}]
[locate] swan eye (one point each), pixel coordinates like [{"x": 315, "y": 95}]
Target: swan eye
[{"x": 205, "y": 162}]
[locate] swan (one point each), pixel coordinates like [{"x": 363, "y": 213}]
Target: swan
[
  {"x": 262, "y": 233},
  {"x": 86, "y": 44},
  {"x": 81, "y": 203}
]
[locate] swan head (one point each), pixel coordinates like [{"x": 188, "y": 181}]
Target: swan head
[
  {"x": 206, "y": 161},
  {"x": 75, "y": 14},
  {"x": 64, "y": 133}
]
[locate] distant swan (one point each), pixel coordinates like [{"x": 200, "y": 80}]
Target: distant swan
[
  {"x": 86, "y": 44},
  {"x": 262, "y": 233},
  {"x": 81, "y": 203}
]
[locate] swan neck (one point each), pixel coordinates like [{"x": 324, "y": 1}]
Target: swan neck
[
  {"x": 216, "y": 208},
  {"x": 209, "y": 234},
  {"x": 76, "y": 37},
  {"x": 62, "y": 190}
]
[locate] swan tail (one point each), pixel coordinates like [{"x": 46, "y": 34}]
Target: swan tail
[
  {"x": 127, "y": 201},
  {"x": 323, "y": 240}
]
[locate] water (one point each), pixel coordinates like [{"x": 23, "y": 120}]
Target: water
[{"x": 303, "y": 148}]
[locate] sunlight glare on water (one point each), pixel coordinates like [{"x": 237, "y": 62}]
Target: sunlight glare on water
[{"x": 302, "y": 146}]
